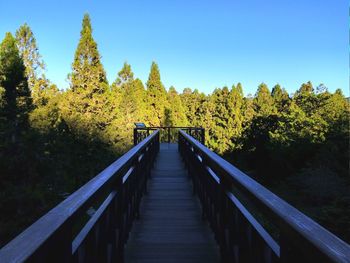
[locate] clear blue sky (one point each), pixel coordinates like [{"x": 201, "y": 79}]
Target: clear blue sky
[{"x": 198, "y": 44}]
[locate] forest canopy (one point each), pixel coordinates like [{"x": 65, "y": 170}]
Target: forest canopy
[{"x": 52, "y": 141}]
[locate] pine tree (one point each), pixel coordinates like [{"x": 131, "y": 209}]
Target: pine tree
[
  {"x": 130, "y": 102},
  {"x": 133, "y": 94},
  {"x": 16, "y": 94},
  {"x": 235, "y": 121},
  {"x": 125, "y": 74},
  {"x": 28, "y": 49},
  {"x": 157, "y": 97},
  {"x": 188, "y": 104},
  {"x": 87, "y": 99},
  {"x": 305, "y": 98},
  {"x": 227, "y": 119},
  {"x": 175, "y": 112},
  {"x": 248, "y": 110},
  {"x": 87, "y": 75},
  {"x": 263, "y": 101},
  {"x": 281, "y": 98},
  {"x": 220, "y": 135},
  {"x": 193, "y": 103}
]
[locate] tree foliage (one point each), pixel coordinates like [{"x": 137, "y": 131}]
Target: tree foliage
[
  {"x": 28, "y": 49},
  {"x": 16, "y": 98},
  {"x": 52, "y": 140},
  {"x": 156, "y": 96}
]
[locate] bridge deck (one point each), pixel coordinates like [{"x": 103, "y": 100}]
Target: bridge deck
[{"x": 170, "y": 228}]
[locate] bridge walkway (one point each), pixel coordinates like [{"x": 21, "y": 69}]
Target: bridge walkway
[{"x": 170, "y": 228}]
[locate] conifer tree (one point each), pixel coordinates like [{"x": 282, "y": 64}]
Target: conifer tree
[
  {"x": 227, "y": 118},
  {"x": 16, "y": 94},
  {"x": 28, "y": 49},
  {"x": 248, "y": 110},
  {"x": 175, "y": 112},
  {"x": 131, "y": 105},
  {"x": 87, "y": 99},
  {"x": 157, "y": 97},
  {"x": 281, "y": 97},
  {"x": 188, "y": 104},
  {"x": 87, "y": 75},
  {"x": 125, "y": 74},
  {"x": 235, "y": 121},
  {"x": 133, "y": 95},
  {"x": 220, "y": 134},
  {"x": 305, "y": 98},
  {"x": 263, "y": 101}
]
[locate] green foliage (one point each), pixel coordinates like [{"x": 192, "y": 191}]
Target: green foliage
[
  {"x": 29, "y": 52},
  {"x": 175, "y": 113},
  {"x": 124, "y": 75},
  {"x": 156, "y": 96},
  {"x": 49, "y": 150},
  {"x": 16, "y": 96},
  {"x": 194, "y": 105},
  {"x": 88, "y": 75},
  {"x": 280, "y": 97},
  {"x": 227, "y": 117},
  {"x": 263, "y": 101},
  {"x": 298, "y": 146},
  {"x": 129, "y": 106},
  {"x": 86, "y": 101}
]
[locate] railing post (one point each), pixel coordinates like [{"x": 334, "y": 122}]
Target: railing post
[
  {"x": 203, "y": 136},
  {"x": 168, "y": 134},
  {"x": 135, "y": 136}
]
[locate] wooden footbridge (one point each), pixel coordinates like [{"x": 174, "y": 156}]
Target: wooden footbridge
[{"x": 174, "y": 201}]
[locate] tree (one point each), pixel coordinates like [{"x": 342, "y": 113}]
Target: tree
[
  {"x": 129, "y": 106},
  {"x": 28, "y": 49},
  {"x": 263, "y": 101},
  {"x": 16, "y": 94},
  {"x": 220, "y": 134},
  {"x": 280, "y": 97},
  {"x": 87, "y": 100},
  {"x": 235, "y": 121},
  {"x": 46, "y": 116},
  {"x": 125, "y": 74},
  {"x": 227, "y": 119},
  {"x": 193, "y": 103},
  {"x": 188, "y": 104},
  {"x": 157, "y": 97},
  {"x": 306, "y": 98},
  {"x": 247, "y": 110},
  {"x": 175, "y": 113},
  {"x": 87, "y": 74}
]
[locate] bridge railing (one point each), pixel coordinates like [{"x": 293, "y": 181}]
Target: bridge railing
[
  {"x": 168, "y": 134},
  {"x": 232, "y": 202},
  {"x": 117, "y": 190}
]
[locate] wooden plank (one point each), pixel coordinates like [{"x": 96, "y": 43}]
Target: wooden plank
[{"x": 170, "y": 228}]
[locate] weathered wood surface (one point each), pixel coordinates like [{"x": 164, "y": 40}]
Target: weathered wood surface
[{"x": 170, "y": 228}]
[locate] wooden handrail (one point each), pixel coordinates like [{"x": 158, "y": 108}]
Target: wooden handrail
[
  {"x": 300, "y": 238},
  {"x": 120, "y": 185},
  {"x": 170, "y": 133}
]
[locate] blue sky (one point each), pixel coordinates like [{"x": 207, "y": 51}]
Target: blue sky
[{"x": 198, "y": 44}]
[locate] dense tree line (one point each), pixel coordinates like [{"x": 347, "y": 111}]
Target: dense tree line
[{"x": 52, "y": 140}]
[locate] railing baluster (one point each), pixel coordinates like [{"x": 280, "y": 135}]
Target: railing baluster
[{"x": 240, "y": 236}]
